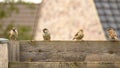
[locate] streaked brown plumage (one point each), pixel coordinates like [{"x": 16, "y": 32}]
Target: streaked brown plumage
[
  {"x": 46, "y": 34},
  {"x": 112, "y": 34},
  {"x": 13, "y": 34},
  {"x": 79, "y": 35}
]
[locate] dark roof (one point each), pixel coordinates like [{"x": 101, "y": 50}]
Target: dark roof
[{"x": 109, "y": 13}]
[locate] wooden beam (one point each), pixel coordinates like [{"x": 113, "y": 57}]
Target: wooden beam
[{"x": 14, "y": 51}]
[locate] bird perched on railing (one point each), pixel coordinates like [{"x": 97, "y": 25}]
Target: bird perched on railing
[
  {"x": 112, "y": 34},
  {"x": 13, "y": 34},
  {"x": 46, "y": 34},
  {"x": 79, "y": 35}
]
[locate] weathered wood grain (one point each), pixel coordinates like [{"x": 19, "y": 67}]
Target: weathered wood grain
[
  {"x": 14, "y": 51},
  {"x": 3, "y": 56},
  {"x": 65, "y": 65},
  {"x": 69, "y": 51}
]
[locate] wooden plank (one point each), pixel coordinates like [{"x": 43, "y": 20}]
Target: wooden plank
[
  {"x": 65, "y": 65},
  {"x": 69, "y": 51},
  {"x": 3, "y": 56},
  {"x": 14, "y": 51}
]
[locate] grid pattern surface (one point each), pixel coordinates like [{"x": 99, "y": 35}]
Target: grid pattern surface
[{"x": 109, "y": 13}]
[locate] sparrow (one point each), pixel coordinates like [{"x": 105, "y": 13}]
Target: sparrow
[
  {"x": 46, "y": 34},
  {"x": 112, "y": 34},
  {"x": 13, "y": 33},
  {"x": 79, "y": 35}
]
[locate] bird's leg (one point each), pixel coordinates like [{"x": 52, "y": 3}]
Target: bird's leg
[
  {"x": 10, "y": 37},
  {"x": 16, "y": 37}
]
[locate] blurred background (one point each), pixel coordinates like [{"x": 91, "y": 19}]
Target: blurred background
[{"x": 63, "y": 18}]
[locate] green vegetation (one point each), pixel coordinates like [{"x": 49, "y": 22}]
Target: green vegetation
[
  {"x": 24, "y": 33},
  {"x": 6, "y": 9},
  {"x": 9, "y": 6}
]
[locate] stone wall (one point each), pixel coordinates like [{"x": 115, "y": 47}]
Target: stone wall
[{"x": 64, "y": 18}]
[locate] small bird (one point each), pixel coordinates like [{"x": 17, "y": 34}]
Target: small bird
[
  {"x": 112, "y": 34},
  {"x": 13, "y": 34},
  {"x": 46, "y": 34},
  {"x": 79, "y": 35}
]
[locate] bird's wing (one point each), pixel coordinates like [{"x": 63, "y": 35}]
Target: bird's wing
[
  {"x": 16, "y": 31},
  {"x": 114, "y": 33},
  {"x": 49, "y": 36},
  {"x": 76, "y": 35},
  {"x": 46, "y": 36}
]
